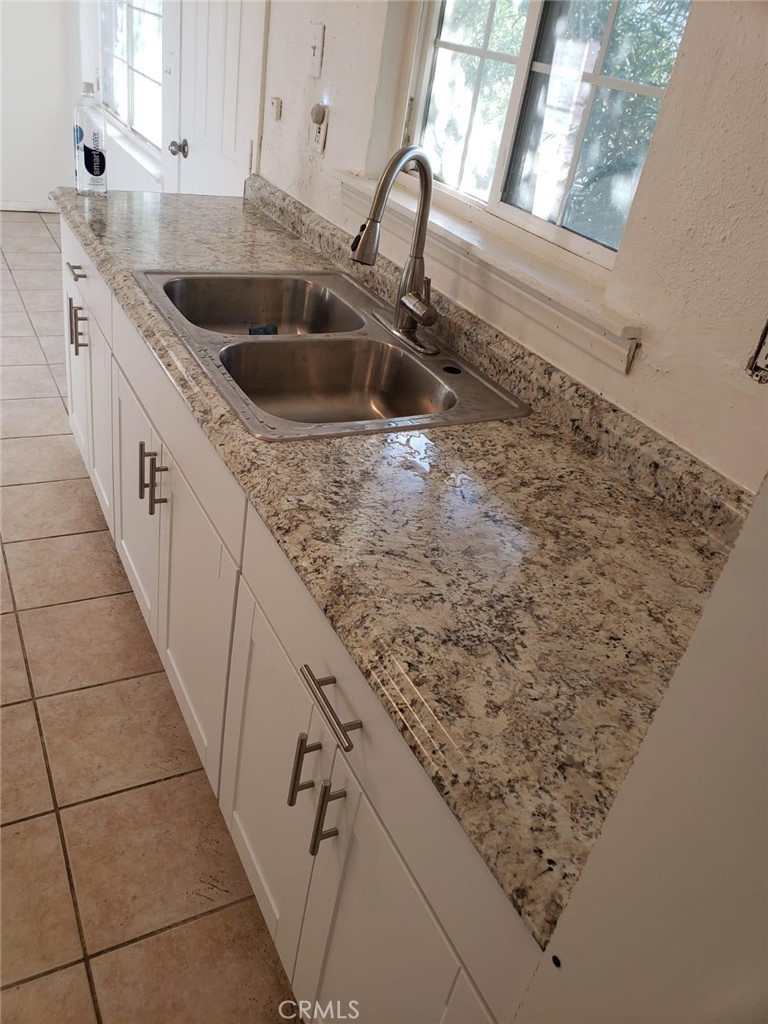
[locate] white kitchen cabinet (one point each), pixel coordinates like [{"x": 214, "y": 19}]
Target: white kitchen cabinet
[
  {"x": 137, "y": 533},
  {"x": 369, "y": 936},
  {"x": 182, "y": 574},
  {"x": 196, "y": 602},
  {"x": 268, "y": 712},
  {"x": 89, "y": 375}
]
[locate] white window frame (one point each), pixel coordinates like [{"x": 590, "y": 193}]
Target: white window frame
[
  {"x": 151, "y": 148},
  {"x": 420, "y": 90}
]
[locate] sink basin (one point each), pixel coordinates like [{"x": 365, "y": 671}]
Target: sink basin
[
  {"x": 335, "y": 380},
  {"x": 323, "y": 362},
  {"x": 268, "y": 305}
]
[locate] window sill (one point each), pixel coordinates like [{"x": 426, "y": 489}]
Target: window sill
[
  {"x": 518, "y": 281},
  {"x": 145, "y": 155}
]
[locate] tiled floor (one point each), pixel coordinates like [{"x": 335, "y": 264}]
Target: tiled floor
[{"x": 123, "y": 900}]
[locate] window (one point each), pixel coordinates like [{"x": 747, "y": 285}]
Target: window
[
  {"x": 131, "y": 47},
  {"x": 543, "y": 111}
]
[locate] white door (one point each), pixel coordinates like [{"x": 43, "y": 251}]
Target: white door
[
  {"x": 268, "y": 710},
  {"x": 137, "y": 533},
  {"x": 100, "y": 424},
  {"x": 369, "y": 936},
  {"x": 218, "y": 69},
  {"x": 77, "y": 367},
  {"x": 198, "y": 582}
]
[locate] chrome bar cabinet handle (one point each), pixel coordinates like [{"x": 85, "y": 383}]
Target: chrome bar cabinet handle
[
  {"x": 338, "y": 728},
  {"x": 73, "y": 269},
  {"x": 143, "y": 456},
  {"x": 154, "y": 469},
  {"x": 319, "y": 832},
  {"x": 296, "y": 785}
]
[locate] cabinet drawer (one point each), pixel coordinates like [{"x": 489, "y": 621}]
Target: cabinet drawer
[
  {"x": 497, "y": 948},
  {"x": 78, "y": 267}
]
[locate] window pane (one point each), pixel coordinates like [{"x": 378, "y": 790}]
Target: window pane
[
  {"x": 147, "y": 109},
  {"x": 618, "y": 134},
  {"x": 450, "y": 108},
  {"x": 546, "y": 138},
  {"x": 645, "y": 39},
  {"x": 508, "y": 26},
  {"x": 115, "y": 86},
  {"x": 114, "y": 31},
  {"x": 487, "y": 126},
  {"x": 153, "y": 6},
  {"x": 570, "y": 34},
  {"x": 464, "y": 21},
  {"x": 147, "y": 45}
]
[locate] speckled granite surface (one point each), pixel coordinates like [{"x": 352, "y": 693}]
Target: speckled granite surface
[{"x": 516, "y": 604}]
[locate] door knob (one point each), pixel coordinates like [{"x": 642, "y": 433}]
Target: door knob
[{"x": 174, "y": 148}]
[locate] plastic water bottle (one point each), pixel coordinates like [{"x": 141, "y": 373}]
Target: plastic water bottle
[{"x": 90, "y": 140}]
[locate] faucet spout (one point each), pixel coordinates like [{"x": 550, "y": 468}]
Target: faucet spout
[{"x": 413, "y": 304}]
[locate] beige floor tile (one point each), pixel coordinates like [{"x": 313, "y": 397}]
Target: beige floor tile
[
  {"x": 38, "y": 919},
  {"x": 26, "y": 279},
  {"x": 59, "y": 371},
  {"x": 6, "y": 277},
  {"x": 98, "y": 641},
  {"x": 6, "y": 604},
  {"x": 28, "y": 241},
  {"x": 24, "y": 788},
  {"x": 19, "y": 216},
  {"x": 222, "y": 968},
  {"x": 33, "y": 261},
  {"x": 10, "y": 301},
  {"x": 29, "y": 460},
  {"x": 49, "y": 509},
  {"x": 48, "y": 323},
  {"x": 43, "y": 300},
  {"x": 13, "y": 673},
  {"x": 55, "y": 570},
  {"x": 20, "y": 352},
  {"x": 60, "y": 998},
  {"x": 33, "y": 417},
  {"x": 27, "y": 382},
  {"x": 141, "y": 737},
  {"x": 16, "y": 325},
  {"x": 54, "y": 347},
  {"x": 134, "y": 873},
  {"x": 32, "y": 227}
]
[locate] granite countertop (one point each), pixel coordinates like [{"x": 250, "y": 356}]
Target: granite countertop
[{"x": 517, "y": 607}]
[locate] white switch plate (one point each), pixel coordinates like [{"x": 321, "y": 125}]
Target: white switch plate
[{"x": 316, "y": 41}]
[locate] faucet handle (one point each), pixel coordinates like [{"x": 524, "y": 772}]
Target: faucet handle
[
  {"x": 420, "y": 306},
  {"x": 427, "y": 294}
]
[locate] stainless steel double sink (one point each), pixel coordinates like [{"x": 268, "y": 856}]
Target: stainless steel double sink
[{"x": 300, "y": 355}]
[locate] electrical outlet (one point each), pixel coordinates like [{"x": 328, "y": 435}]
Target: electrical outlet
[{"x": 319, "y": 128}]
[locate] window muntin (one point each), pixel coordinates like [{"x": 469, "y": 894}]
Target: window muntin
[
  {"x": 131, "y": 41},
  {"x": 566, "y": 142}
]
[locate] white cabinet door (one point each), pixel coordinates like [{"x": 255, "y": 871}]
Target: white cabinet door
[
  {"x": 100, "y": 419},
  {"x": 137, "y": 533},
  {"x": 198, "y": 582},
  {"x": 268, "y": 710},
  {"x": 465, "y": 1005},
  {"x": 369, "y": 937},
  {"x": 77, "y": 368}
]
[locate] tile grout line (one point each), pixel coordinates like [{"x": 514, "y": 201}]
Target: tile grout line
[
  {"x": 103, "y": 796},
  {"x": 132, "y": 942},
  {"x": 30, "y": 483},
  {"x": 76, "y": 600},
  {"x": 52, "y": 536},
  {"x": 56, "y": 812},
  {"x": 94, "y": 686}
]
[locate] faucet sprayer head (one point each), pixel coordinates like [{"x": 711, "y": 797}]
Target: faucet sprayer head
[{"x": 365, "y": 247}]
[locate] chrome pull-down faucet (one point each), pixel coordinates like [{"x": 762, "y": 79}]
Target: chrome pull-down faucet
[{"x": 413, "y": 306}]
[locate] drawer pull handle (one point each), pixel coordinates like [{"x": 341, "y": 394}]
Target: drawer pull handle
[
  {"x": 338, "y": 728},
  {"x": 143, "y": 456},
  {"x": 296, "y": 785},
  {"x": 319, "y": 832},
  {"x": 73, "y": 269},
  {"x": 76, "y": 335},
  {"x": 154, "y": 469}
]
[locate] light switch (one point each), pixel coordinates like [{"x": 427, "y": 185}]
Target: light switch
[{"x": 316, "y": 41}]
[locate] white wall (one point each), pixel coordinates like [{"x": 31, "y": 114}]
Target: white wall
[
  {"x": 694, "y": 259},
  {"x": 40, "y": 87}
]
